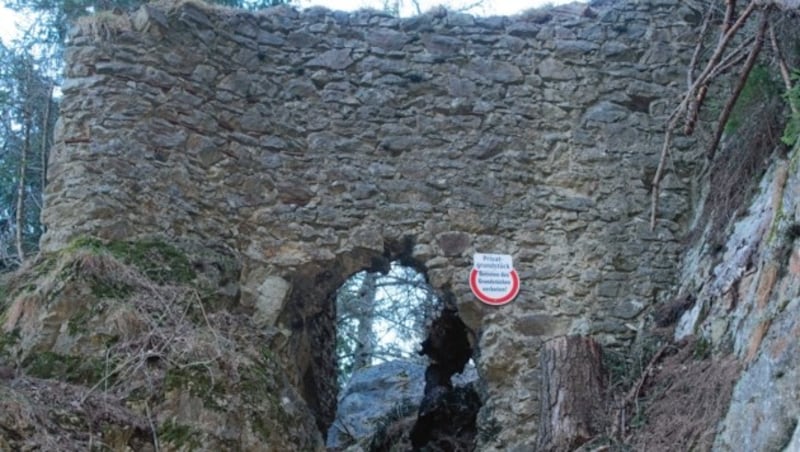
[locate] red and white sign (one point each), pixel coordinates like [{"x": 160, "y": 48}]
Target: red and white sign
[{"x": 493, "y": 278}]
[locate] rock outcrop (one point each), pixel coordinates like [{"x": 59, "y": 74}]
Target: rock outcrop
[
  {"x": 136, "y": 346},
  {"x": 374, "y": 396},
  {"x": 747, "y": 305}
]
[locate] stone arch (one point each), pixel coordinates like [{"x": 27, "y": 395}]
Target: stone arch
[{"x": 310, "y": 316}]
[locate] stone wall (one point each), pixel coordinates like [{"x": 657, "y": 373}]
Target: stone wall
[{"x": 312, "y": 144}]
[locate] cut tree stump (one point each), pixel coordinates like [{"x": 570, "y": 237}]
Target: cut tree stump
[{"x": 572, "y": 393}]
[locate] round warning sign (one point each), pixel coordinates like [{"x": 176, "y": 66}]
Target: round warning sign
[{"x": 493, "y": 278}]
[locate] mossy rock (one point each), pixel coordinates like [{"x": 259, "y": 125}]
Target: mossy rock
[
  {"x": 7, "y": 343},
  {"x": 73, "y": 369},
  {"x": 206, "y": 386},
  {"x": 178, "y": 436},
  {"x": 214, "y": 272},
  {"x": 199, "y": 381},
  {"x": 158, "y": 260}
]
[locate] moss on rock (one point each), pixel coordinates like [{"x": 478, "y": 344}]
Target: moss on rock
[
  {"x": 199, "y": 381},
  {"x": 178, "y": 436},
  {"x": 149, "y": 321},
  {"x": 73, "y": 369},
  {"x": 158, "y": 260}
]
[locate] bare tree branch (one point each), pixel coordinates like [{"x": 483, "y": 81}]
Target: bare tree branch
[
  {"x": 784, "y": 68},
  {"x": 730, "y": 12},
  {"x": 20, "y": 210},
  {"x": 694, "y": 105},
  {"x": 748, "y": 66},
  {"x": 45, "y": 134},
  {"x": 735, "y": 57},
  {"x": 696, "y": 93}
]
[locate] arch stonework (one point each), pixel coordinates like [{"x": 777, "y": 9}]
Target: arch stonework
[{"x": 310, "y": 144}]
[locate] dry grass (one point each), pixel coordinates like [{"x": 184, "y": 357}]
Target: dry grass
[
  {"x": 39, "y": 407},
  {"x": 161, "y": 338},
  {"x": 752, "y": 135},
  {"x": 734, "y": 174},
  {"x": 682, "y": 399}
]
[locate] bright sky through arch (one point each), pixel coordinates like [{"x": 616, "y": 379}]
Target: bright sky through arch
[{"x": 9, "y": 19}]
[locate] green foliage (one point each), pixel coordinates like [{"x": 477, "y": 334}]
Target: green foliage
[
  {"x": 27, "y": 117},
  {"x": 702, "y": 349},
  {"x": 77, "y": 323},
  {"x": 625, "y": 366},
  {"x": 4, "y": 295},
  {"x": 80, "y": 321},
  {"x": 792, "y": 131},
  {"x": 761, "y": 86},
  {"x": 103, "y": 288},
  {"x": 198, "y": 380},
  {"x": 159, "y": 261},
  {"x": 178, "y": 435},
  {"x": 639, "y": 418},
  {"x": 488, "y": 430},
  {"x": 7, "y": 343},
  {"x": 29, "y": 72},
  {"x": 74, "y": 369}
]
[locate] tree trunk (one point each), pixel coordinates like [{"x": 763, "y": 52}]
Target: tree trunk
[
  {"x": 45, "y": 131},
  {"x": 20, "y": 208},
  {"x": 572, "y": 393},
  {"x": 365, "y": 348}
]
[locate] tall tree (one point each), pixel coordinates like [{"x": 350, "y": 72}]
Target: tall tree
[
  {"x": 364, "y": 304},
  {"x": 26, "y": 124},
  {"x": 381, "y": 318}
]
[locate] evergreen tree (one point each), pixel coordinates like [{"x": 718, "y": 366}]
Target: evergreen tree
[
  {"x": 30, "y": 73},
  {"x": 27, "y": 117}
]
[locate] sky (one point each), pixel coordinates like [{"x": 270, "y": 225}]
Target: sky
[
  {"x": 487, "y": 7},
  {"x": 9, "y": 20}
]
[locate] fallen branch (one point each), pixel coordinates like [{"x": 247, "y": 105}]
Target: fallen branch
[
  {"x": 695, "y": 95},
  {"x": 737, "y": 91},
  {"x": 149, "y": 414},
  {"x": 694, "y": 105},
  {"x": 633, "y": 393}
]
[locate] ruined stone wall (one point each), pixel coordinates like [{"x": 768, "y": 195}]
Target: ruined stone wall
[{"x": 311, "y": 143}]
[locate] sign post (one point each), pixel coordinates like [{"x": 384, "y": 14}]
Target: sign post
[{"x": 493, "y": 278}]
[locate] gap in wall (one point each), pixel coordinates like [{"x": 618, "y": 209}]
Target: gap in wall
[
  {"x": 381, "y": 318},
  {"x": 391, "y": 394}
]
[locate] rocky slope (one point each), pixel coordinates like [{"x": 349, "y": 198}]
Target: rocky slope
[{"x": 131, "y": 346}]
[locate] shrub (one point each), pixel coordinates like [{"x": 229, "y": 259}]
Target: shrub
[{"x": 792, "y": 130}]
